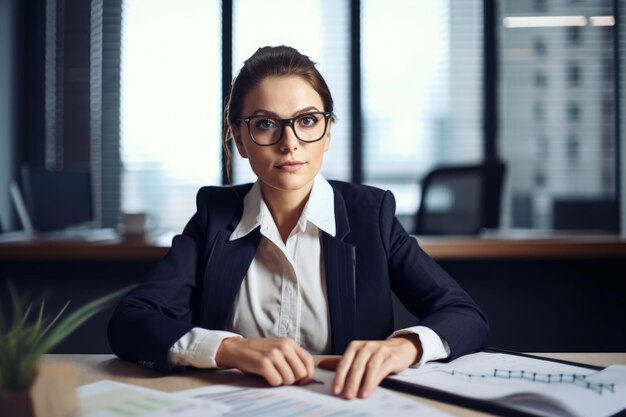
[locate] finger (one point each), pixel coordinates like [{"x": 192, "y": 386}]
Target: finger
[
  {"x": 297, "y": 364},
  {"x": 355, "y": 375},
  {"x": 282, "y": 366},
  {"x": 309, "y": 364},
  {"x": 376, "y": 369},
  {"x": 343, "y": 367},
  {"x": 268, "y": 370},
  {"x": 285, "y": 371}
]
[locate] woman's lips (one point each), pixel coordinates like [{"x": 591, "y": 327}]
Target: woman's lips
[{"x": 290, "y": 166}]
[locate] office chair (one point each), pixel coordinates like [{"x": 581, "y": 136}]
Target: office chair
[{"x": 460, "y": 200}]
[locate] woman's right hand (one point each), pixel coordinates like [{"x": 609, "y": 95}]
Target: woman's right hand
[{"x": 279, "y": 361}]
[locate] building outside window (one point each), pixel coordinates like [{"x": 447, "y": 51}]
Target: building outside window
[{"x": 576, "y": 51}]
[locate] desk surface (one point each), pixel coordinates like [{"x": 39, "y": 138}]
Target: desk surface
[
  {"x": 440, "y": 248},
  {"x": 91, "y": 368}
]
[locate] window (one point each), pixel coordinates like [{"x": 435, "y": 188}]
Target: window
[
  {"x": 414, "y": 114},
  {"x": 573, "y": 75},
  {"x": 540, "y": 178},
  {"x": 572, "y": 113},
  {"x": 170, "y": 107},
  {"x": 540, "y": 79},
  {"x": 413, "y": 119},
  {"x": 573, "y": 148},
  {"x": 541, "y": 6},
  {"x": 543, "y": 147},
  {"x": 421, "y": 94},
  {"x": 540, "y": 47},
  {"x": 573, "y": 35},
  {"x": 539, "y": 111}
]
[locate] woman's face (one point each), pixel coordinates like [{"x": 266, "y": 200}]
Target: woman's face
[{"x": 289, "y": 165}]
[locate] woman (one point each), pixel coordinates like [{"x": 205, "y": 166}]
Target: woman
[{"x": 266, "y": 274}]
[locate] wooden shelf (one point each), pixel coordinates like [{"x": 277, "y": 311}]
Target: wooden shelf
[{"x": 572, "y": 247}]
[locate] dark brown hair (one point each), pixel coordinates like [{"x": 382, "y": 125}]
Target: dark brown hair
[{"x": 269, "y": 61}]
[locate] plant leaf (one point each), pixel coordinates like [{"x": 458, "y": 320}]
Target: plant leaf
[{"x": 22, "y": 344}]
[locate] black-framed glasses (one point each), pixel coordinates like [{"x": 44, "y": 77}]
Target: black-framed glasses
[{"x": 267, "y": 131}]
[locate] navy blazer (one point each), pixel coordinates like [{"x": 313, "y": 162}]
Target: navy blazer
[{"x": 196, "y": 283}]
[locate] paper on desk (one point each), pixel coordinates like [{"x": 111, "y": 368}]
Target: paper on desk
[
  {"x": 314, "y": 399},
  {"x": 539, "y": 386},
  {"x": 115, "y": 399}
]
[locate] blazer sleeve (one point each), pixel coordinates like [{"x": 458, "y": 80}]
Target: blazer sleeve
[
  {"x": 153, "y": 316},
  {"x": 428, "y": 291}
]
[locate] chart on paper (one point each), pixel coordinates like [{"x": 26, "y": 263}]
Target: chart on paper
[
  {"x": 525, "y": 383},
  {"x": 264, "y": 402},
  {"x": 579, "y": 380}
]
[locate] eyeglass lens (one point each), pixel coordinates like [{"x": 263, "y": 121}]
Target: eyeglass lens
[{"x": 307, "y": 127}]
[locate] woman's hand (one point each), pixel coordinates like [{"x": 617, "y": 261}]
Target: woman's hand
[
  {"x": 279, "y": 361},
  {"x": 366, "y": 362}
]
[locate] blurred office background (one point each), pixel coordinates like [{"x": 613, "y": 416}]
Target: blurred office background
[{"x": 132, "y": 91}]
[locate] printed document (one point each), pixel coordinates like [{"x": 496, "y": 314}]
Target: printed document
[
  {"x": 115, "y": 399},
  {"x": 537, "y": 386},
  {"x": 255, "y": 398}
]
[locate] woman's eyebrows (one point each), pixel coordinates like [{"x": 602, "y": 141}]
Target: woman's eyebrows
[{"x": 264, "y": 112}]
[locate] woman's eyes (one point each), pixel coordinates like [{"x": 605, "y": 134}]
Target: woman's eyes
[
  {"x": 265, "y": 124},
  {"x": 307, "y": 120}
]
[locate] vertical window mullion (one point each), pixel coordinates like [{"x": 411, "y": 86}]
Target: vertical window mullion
[
  {"x": 227, "y": 75},
  {"x": 356, "y": 145}
]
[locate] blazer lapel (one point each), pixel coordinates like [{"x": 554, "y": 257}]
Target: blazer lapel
[
  {"x": 340, "y": 264},
  {"x": 227, "y": 265}
]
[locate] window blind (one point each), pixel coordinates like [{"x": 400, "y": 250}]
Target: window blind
[
  {"x": 170, "y": 106},
  {"x": 105, "y": 109}
]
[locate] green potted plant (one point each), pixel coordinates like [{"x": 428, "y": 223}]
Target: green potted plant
[{"x": 26, "y": 387}]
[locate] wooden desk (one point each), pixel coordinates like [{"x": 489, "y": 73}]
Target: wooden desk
[
  {"x": 91, "y": 368},
  {"x": 537, "y": 293},
  {"x": 440, "y": 248},
  {"x": 478, "y": 248}
]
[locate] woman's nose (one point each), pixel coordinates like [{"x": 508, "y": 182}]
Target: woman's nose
[{"x": 289, "y": 141}]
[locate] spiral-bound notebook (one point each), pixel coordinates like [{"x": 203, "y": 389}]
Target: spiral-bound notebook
[{"x": 511, "y": 384}]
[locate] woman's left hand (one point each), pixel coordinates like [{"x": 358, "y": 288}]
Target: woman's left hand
[{"x": 366, "y": 362}]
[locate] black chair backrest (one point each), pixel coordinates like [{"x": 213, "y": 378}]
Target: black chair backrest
[{"x": 460, "y": 200}]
